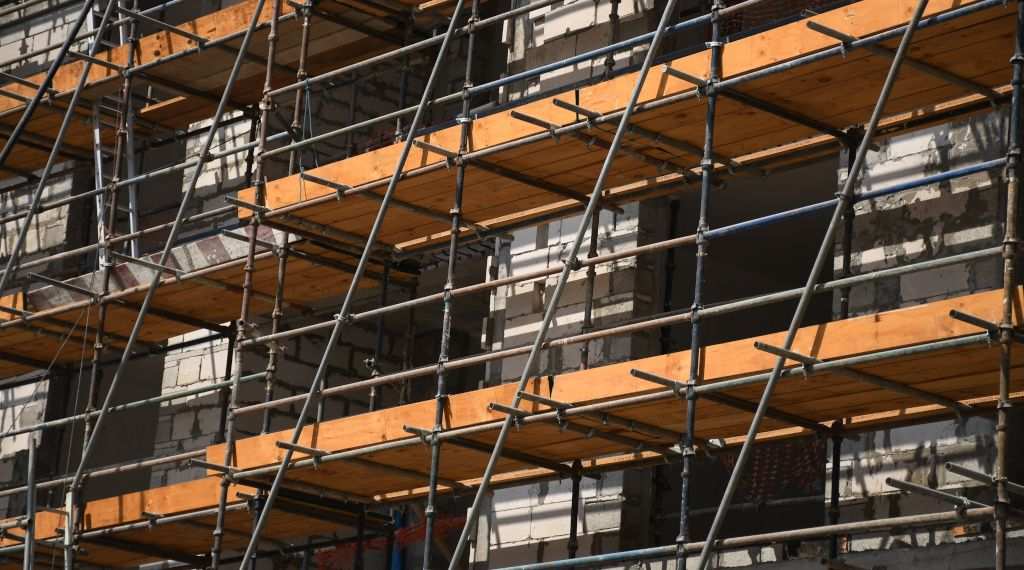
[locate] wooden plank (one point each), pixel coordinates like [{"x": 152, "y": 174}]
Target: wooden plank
[
  {"x": 888, "y": 330},
  {"x": 739, "y": 129},
  {"x": 330, "y": 46},
  {"x": 904, "y": 327}
]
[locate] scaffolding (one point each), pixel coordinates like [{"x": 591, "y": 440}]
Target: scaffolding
[{"x": 608, "y": 140}]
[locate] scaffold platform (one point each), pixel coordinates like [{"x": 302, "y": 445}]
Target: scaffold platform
[
  {"x": 609, "y": 418},
  {"x": 784, "y": 95}
]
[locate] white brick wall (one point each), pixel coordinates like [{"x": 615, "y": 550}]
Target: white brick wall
[
  {"x": 195, "y": 366},
  {"x": 932, "y": 221},
  {"x": 556, "y": 32},
  {"x": 48, "y": 230},
  {"x": 190, "y": 422},
  {"x": 531, "y": 523},
  {"x": 38, "y": 33},
  {"x": 523, "y": 303},
  {"x": 20, "y": 407}
]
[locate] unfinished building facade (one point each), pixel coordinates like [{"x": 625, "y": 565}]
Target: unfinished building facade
[{"x": 510, "y": 284}]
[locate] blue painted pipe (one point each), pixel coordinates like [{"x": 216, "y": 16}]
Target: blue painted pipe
[
  {"x": 586, "y": 56},
  {"x": 729, "y": 230}
]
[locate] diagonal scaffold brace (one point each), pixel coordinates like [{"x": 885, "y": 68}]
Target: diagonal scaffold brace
[
  {"x": 343, "y": 317},
  {"x": 824, "y": 254},
  {"x": 74, "y": 489},
  {"x": 242, "y": 324},
  {"x": 572, "y": 263}
]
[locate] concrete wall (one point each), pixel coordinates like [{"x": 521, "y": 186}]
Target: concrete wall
[
  {"x": 521, "y": 305},
  {"x": 559, "y": 31},
  {"x": 531, "y": 522},
  {"x": 30, "y": 29},
  {"x": 934, "y": 221},
  {"x": 21, "y": 406},
  {"x": 925, "y": 223},
  {"x": 915, "y": 453}
]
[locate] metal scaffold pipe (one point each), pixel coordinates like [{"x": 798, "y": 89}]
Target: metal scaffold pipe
[
  {"x": 497, "y": 83},
  {"x": 1007, "y": 325},
  {"x": 411, "y": 48},
  {"x": 26, "y": 115},
  {"x": 647, "y": 398},
  {"x": 244, "y": 319},
  {"x": 190, "y": 190},
  {"x": 650, "y": 105},
  {"x": 54, "y": 155},
  {"x": 78, "y": 36},
  {"x": 830, "y": 52},
  {"x": 571, "y": 263},
  {"x": 655, "y": 320},
  {"x": 441, "y": 393},
  {"x": 102, "y": 472},
  {"x": 694, "y": 315},
  {"x": 72, "y": 520},
  {"x": 343, "y": 314},
  {"x": 709, "y": 312},
  {"x": 663, "y": 245},
  {"x": 30, "y": 506},
  {"x": 485, "y": 286},
  {"x": 813, "y": 533},
  {"x": 824, "y": 255},
  {"x": 841, "y": 49},
  {"x": 707, "y": 165}
]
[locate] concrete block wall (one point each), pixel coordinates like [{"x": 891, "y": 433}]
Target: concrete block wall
[
  {"x": 329, "y": 110},
  {"x": 911, "y": 226},
  {"x": 51, "y": 230},
  {"x": 219, "y": 177},
  {"x": 31, "y": 29},
  {"x": 521, "y": 305},
  {"x": 348, "y": 363},
  {"x": 531, "y": 523},
  {"x": 22, "y": 32},
  {"x": 913, "y": 453},
  {"x": 562, "y": 30},
  {"x": 917, "y": 454},
  {"x": 930, "y": 222},
  {"x": 191, "y": 422},
  {"x": 20, "y": 406}
]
